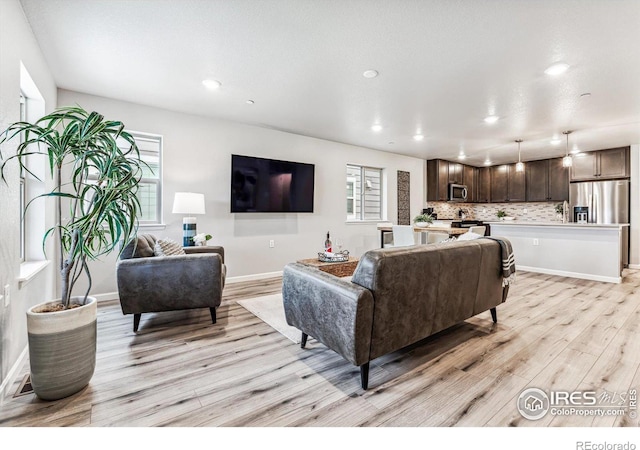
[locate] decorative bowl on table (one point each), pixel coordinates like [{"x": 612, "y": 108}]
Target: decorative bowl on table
[
  {"x": 422, "y": 224},
  {"x": 340, "y": 256},
  {"x": 508, "y": 218}
]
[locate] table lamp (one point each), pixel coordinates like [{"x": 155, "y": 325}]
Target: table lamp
[{"x": 188, "y": 203}]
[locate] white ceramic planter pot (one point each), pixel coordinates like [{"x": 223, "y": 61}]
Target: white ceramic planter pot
[{"x": 62, "y": 348}]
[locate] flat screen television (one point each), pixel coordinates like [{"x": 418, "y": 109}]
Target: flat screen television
[{"x": 269, "y": 185}]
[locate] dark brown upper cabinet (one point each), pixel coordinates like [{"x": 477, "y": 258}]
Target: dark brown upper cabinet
[
  {"x": 441, "y": 173},
  {"x": 516, "y": 185},
  {"x": 500, "y": 183},
  {"x": 558, "y": 181},
  {"x": 469, "y": 180},
  {"x": 455, "y": 173},
  {"x": 537, "y": 174},
  {"x": 546, "y": 180},
  {"x": 601, "y": 164},
  {"x": 507, "y": 185},
  {"x": 437, "y": 180},
  {"x": 484, "y": 185}
]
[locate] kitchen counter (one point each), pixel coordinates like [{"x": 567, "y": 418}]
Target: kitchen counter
[
  {"x": 588, "y": 251},
  {"x": 558, "y": 224}
]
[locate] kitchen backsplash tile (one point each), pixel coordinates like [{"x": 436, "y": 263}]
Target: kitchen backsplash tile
[{"x": 535, "y": 212}]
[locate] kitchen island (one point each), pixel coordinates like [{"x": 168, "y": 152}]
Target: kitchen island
[{"x": 589, "y": 251}]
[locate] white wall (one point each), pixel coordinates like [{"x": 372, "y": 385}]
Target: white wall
[
  {"x": 17, "y": 43},
  {"x": 197, "y": 158}
]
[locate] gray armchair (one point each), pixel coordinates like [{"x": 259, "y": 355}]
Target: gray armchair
[{"x": 148, "y": 283}]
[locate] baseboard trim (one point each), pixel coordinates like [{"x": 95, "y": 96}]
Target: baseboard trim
[
  {"x": 12, "y": 373},
  {"x": 254, "y": 277},
  {"x": 562, "y": 273},
  {"x": 634, "y": 266},
  {"x": 107, "y": 296}
]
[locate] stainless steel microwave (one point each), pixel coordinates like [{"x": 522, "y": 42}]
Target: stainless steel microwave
[{"x": 457, "y": 193}]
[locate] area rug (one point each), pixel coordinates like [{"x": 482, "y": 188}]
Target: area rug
[{"x": 270, "y": 310}]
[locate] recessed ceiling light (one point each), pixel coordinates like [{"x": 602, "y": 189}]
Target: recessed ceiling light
[
  {"x": 249, "y": 102},
  {"x": 462, "y": 156},
  {"x": 377, "y": 128},
  {"x": 418, "y": 137},
  {"x": 557, "y": 69},
  {"x": 211, "y": 84},
  {"x": 491, "y": 119},
  {"x": 487, "y": 162},
  {"x": 575, "y": 151},
  {"x": 555, "y": 141},
  {"x": 370, "y": 73}
]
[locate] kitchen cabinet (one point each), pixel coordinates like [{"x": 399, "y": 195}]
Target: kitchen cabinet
[
  {"x": 558, "y": 181},
  {"x": 601, "y": 164},
  {"x": 507, "y": 185},
  {"x": 437, "y": 180},
  {"x": 499, "y": 184},
  {"x": 455, "y": 173},
  {"x": 546, "y": 180},
  {"x": 469, "y": 180},
  {"x": 516, "y": 184},
  {"x": 483, "y": 184},
  {"x": 441, "y": 173},
  {"x": 537, "y": 175}
]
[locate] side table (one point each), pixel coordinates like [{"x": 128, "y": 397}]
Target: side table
[{"x": 339, "y": 269}]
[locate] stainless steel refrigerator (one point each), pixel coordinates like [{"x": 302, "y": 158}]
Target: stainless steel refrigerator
[{"x": 607, "y": 202}]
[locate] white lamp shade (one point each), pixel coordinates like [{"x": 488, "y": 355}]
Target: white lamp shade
[{"x": 188, "y": 203}]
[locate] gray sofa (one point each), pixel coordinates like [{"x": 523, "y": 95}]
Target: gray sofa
[
  {"x": 148, "y": 283},
  {"x": 396, "y": 297}
]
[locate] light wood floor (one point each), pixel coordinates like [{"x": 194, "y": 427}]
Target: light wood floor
[{"x": 180, "y": 370}]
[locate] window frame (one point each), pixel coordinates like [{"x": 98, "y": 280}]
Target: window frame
[
  {"x": 23, "y": 186},
  {"x": 359, "y": 216},
  {"x": 158, "y": 181}
]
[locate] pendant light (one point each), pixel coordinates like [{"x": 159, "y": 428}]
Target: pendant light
[
  {"x": 519, "y": 164},
  {"x": 567, "y": 161}
]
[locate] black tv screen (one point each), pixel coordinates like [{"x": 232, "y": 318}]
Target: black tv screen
[{"x": 269, "y": 185}]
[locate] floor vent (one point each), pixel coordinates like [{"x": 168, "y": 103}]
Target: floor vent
[{"x": 25, "y": 387}]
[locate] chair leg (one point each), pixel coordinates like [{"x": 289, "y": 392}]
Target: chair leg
[
  {"x": 213, "y": 315},
  {"x": 136, "y": 321},
  {"x": 364, "y": 376},
  {"x": 494, "y": 315},
  {"x": 303, "y": 340}
]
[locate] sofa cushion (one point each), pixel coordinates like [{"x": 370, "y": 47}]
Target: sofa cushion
[
  {"x": 139, "y": 247},
  {"x": 469, "y": 236},
  {"x": 167, "y": 247}
]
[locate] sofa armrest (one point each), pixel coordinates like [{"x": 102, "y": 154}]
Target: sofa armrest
[
  {"x": 166, "y": 283},
  {"x": 205, "y": 249},
  {"x": 334, "y": 311}
]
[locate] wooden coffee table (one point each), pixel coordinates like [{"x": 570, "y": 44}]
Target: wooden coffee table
[{"x": 339, "y": 269}]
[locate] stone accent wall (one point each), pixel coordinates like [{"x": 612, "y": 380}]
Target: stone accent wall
[{"x": 404, "y": 197}]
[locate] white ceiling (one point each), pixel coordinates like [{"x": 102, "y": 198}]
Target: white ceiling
[{"x": 443, "y": 66}]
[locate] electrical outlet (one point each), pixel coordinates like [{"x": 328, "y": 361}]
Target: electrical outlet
[
  {"x": 7, "y": 295},
  {"x": 272, "y": 243},
  {"x": 536, "y": 242}
]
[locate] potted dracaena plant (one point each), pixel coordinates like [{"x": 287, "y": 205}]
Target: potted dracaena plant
[{"x": 96, "y": 168}]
